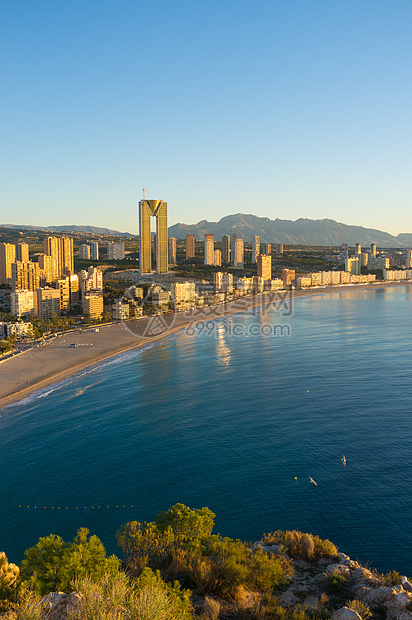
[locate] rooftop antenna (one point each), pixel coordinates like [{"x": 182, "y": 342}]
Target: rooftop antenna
[{"x": 144, "y": 190}]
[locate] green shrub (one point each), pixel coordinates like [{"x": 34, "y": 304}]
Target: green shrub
[
  {"x": 393, "y": 578},
  {"x": 9, "y": 574},
  {"x": 296, "y": 544},
  {"x": 54, "y": 565},
  {"x": 114, "y": 597},
  {"x": 335, "y": 582},
  {"x": 363, "y": 610}
]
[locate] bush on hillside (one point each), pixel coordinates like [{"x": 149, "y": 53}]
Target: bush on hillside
[
  {"x": 54, "y": 565},
  {"x": 298, "y": 544}
]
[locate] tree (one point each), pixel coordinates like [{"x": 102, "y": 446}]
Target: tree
[
  {"x": 39, "y": 569},
  {"x": 187, "y": 524},
  {"x": 53, "y": 564}
]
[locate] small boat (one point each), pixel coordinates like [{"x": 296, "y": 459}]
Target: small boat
[{"x": 343, "y": 460}]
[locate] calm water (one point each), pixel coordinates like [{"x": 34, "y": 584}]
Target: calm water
[{"x": 228, "y": 422}]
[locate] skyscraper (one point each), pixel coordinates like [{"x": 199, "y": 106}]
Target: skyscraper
[
  {"x": 209, "y": 249},
  {"x": 7, "y": 257},
  {"x": 94, "y": 246},
  {"x": 225, "y": 249},
  {"x": 157, "y": 209},
  {"x": 373, "y": 249},
  {"x": 22, "y": 252},
  {"x": 237, "y": 253},
  {"x": 25, "y": 276},
  {"x": 190, "y": 245},
  {"x": 61, "y": 251},
  {"x": 264, "y": 267},
  {"x": 172, "y": 250},
  {"x": 255, "y": 248},
  {"x": 233, "y": 238}
]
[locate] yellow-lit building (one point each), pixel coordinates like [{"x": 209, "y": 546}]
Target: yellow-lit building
[
  {"x": 157, "y": 209},
  {"x": 7, "y": 257},
  {"x": 264, "y": 266}
]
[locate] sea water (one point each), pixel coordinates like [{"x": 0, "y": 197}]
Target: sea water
[{"x": 236, "y": 421}]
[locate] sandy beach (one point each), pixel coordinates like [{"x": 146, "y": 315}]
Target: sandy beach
[{"x": 69, "y": 353}]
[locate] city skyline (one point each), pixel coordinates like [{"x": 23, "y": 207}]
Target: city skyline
[{"x": 282, "y": 110}]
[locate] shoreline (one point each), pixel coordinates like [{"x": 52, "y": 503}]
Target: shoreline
[{"x": 70, "y": 353}]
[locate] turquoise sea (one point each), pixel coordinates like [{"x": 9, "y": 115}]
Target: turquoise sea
[{"x": 228, "y": 421}]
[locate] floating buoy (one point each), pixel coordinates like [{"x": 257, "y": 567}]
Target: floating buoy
[
  {"x": 307, "y": 391},
  {"x": 296, "y": 478}
]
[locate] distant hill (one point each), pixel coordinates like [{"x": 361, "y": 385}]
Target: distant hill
[
  {"x": 299, "y": 232},
  {"x": 95, "y": 230}
]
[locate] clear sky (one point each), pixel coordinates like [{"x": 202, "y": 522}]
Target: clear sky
[{"x": 280, "y": 108}]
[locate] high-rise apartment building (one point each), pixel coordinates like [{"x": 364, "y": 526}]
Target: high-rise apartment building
[
  {"x": 22, "y": 252},
  {"x": 373, "y": 249},
  {"x": 69, "y": 291},
  {"x": 288, "y": 275},
  {"x": 47, "y": 303},
  {"x": 66, "y": 256},
  {"x": 225, "y": 249},
  {"x": 61, "y": 251},
  {"x": 84, "y": 251},
  {"x": 238, "y": 254},
  {"x": 183, "y": 293},
  {"x": 408, "y": 259},
  {"x": 223, "y": 282},
  {"x": 358, "y": 249},
  {"x": 218, "y": 258},
  {"x": 7, "y": 257},
  {"x": 353, "y": 265},
  {"x": 157, "y": 209},
  {"x": 93, "y": 306},
  {"x": 264, "y": 267},
  {"x": 115, "y": 250},
  {"x": 22, "y": 303},
  {"x": 343, "y": 252},
  {"x": 279, "y": 249},
  {"x": 190, "y": 245},
  {"x": 233, "y": 238},
  {"x": 255, "y": 248},
  {"x": 267, "y": 249},
  {"x": 209, "y": 249},
  {"x": 46, "y": 267},
  {"x": 172, "y": 250},
  {"x": 25, "y": 276},
  {"x": 94, "y": 247}
]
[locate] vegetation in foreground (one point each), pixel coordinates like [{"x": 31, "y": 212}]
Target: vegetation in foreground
[{"x": 175, "y": 569}]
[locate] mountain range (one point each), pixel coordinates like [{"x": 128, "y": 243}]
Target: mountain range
[
  {"x": 299, "y": 232},
  {"x": 94, "y": 230},
  {"x": 303, "y": 231}
]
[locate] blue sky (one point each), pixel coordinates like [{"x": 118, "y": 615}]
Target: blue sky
[{"x": 281, "y": 108}]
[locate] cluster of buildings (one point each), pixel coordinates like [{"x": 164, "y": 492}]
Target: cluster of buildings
[
  {"x": 232, "y": 251},
  {"x": 48, "y": 287},
  {"x": 90, "y": 250}
]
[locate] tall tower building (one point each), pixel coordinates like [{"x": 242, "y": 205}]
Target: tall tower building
[
  {"x": 51, "y": 247},
  {"x": 172, "y": 250},
  {"x": 84, "y": 251},
  {"x": 237, "y": 252},
  {"x": 264, "y": 267},
  {"x": 157, "y": 209},
  {"x": 343, "y": 252},
  {"x": 209, "y": 249},
  {"x": 7, "y": 257},
  {"x": 94, "y": 246},
  {"x": 225, "y": 249},
  {"x": 66, "y": 256},
  {"x": 22, "y": 252},
  {"x": 190, "y": 245},
  {"x": 373, "y": 249},
  {"x": 25, "y": 276},
  {"x": 408, "y": 259},
  {"x": 233, "y": 238},
  {"x": 358, "y": 249},
  {"x": 255, "y": 248}
]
